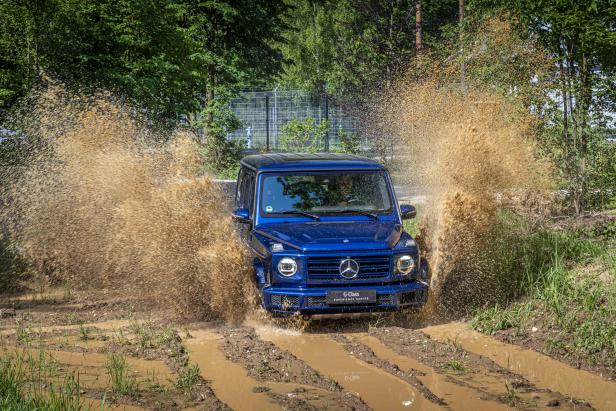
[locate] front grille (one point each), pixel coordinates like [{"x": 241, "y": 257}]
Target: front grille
[
  {"x": 317, "y": 301},
  {"x": 385, "y": 299},
  {"x": 285, "y": 300},
  {"x": 413, "y": 297},
  {"x": 328, "y": 268},
  {"x": 321, "y": 301}
]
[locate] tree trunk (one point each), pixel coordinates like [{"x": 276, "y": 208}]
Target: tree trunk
[
  {"x": 390, "y": 51},
  {"x": 462, "y": 65},
  {"x": 418, "y": 27},
  {"x": 585, "y": 97},
  {"x": 211, "y": 83}
]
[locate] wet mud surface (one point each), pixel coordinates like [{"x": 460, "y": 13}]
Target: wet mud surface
[{"x": 356, "y": 365}]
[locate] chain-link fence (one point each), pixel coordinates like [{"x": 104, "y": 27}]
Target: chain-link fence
[{"x": 264, "y": 113}]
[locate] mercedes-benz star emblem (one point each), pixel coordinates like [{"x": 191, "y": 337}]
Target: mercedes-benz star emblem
[{"x": 349, "y": 268}]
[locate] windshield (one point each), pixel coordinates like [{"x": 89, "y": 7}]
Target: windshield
[{"x": 332, "y": 192}]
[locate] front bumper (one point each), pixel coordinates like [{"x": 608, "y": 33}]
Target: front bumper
[{"x": 312, "y": 300}]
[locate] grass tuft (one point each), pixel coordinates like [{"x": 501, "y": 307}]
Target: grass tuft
[
  {"x": 121, "y": 380},
  {"x": 28, "y": 382},
  {"x": 188, "y": 378}
]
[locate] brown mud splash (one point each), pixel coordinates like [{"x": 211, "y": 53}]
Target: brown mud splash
[
  {"x": 106, "y": 200},
  {"x": 464, "y": 151}
]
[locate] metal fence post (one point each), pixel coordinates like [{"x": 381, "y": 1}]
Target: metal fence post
[
  {"x": 267, "y": 131},
  {"x": 327, "y": 123}
]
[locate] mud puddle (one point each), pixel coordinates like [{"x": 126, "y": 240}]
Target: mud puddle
[
  {"x": 264, "y": 361},
  {"x": 232, "y": 384},
  {"x": 537, "y": 368},
  {"x": 455, "y": 395},
  {"x": 477, "y": 373},
  {"x": 103, "y": 325},
  {"x": 377, "y": 388},
  {"x": 91, "y": 369}
]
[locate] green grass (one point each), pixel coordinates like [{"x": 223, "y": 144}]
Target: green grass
[
  {"x": 150, "y": 336},
  {"x": 456, "y": 366},
  {"x": 122, "y": 382},
  {"x": 29, "y": 382},
  {"x": 188, "y": 378},
  {"x": 83, "y": 333},
  {"x": 565, "y": 285}
]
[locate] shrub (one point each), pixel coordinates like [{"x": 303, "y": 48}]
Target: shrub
[{"x": 303, "y": 135}]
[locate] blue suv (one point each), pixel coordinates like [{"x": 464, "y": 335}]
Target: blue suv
[{"x": 326, "y": 234}]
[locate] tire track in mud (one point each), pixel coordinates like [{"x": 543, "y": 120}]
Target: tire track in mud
[
  {"x": 474, "y": 372},
  {"x": 457, "y": 396},
  {"x": 364, "y": 353},
  {"x": 377, "y": 388},
  {"x": 264, "y": 361},
  {"x": 540, "y": 369},
  {"x": 236, "y": 366}
]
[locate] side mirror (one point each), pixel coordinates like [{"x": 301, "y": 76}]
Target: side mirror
[
  {"x": 242, "y": 215},
  {"x": 408, "y": 211}
]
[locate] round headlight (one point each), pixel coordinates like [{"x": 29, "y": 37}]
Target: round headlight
[
  {"x": 287, "y": 266},
  {"x": 405, "y": 264}
]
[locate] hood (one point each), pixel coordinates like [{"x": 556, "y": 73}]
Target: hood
[{"x": 335, "y": 235}]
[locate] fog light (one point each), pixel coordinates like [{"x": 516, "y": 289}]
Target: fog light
[
  {"x": 287, "y": 266},
  {"x": 405, "y": 264}
]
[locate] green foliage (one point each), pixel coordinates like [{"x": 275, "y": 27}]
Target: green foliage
[
  {"x": 567, "y": 279},
  {"x": 349, "y": 142},
  {"x": 222, "y": 156},
  {"x": 163, "y": 54},
  {"x": 344, "y": 47},
  {"x": 303, "y": 136}
]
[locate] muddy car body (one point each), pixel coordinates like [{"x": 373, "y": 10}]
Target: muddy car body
[{"x": 327, "y": 235}]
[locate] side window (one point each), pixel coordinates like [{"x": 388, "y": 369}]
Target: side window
[
  {"x": 249, "y": 190},
  {"x": 245, "y": 189},
  {"x": 241, "y": 182}
]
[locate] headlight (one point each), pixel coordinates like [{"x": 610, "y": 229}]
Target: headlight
[
  {"x": 287, "y": 266},
  {"x": 405, "y": 264}
]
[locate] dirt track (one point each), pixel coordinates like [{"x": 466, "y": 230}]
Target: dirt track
[{"x": 355, "y": 365}]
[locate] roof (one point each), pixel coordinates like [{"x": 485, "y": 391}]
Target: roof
[{"x": 316, "y": 161}]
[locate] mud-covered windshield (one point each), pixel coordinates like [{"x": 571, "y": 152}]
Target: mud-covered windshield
[{"x": 322, "y": 193}]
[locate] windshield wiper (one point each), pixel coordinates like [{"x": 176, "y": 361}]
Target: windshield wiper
[
  {"x": 297, "y": 212},
  {"x": 360, "y": 212}
]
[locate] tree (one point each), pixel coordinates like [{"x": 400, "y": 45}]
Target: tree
[
  {"x": 17, "y": 52},
  {"x": 581, "y": 37},
  {"x": 168, "y": 56},
  {"x": 349, "y": 48},
  {"x": 232, "y": 45},
  {"x": 418, "y": 27}
]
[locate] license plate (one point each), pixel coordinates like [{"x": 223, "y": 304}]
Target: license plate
[{"x": 337, "y": 297}]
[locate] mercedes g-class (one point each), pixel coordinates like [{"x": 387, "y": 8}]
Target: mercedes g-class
[{"x": 326, "y": 235}]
